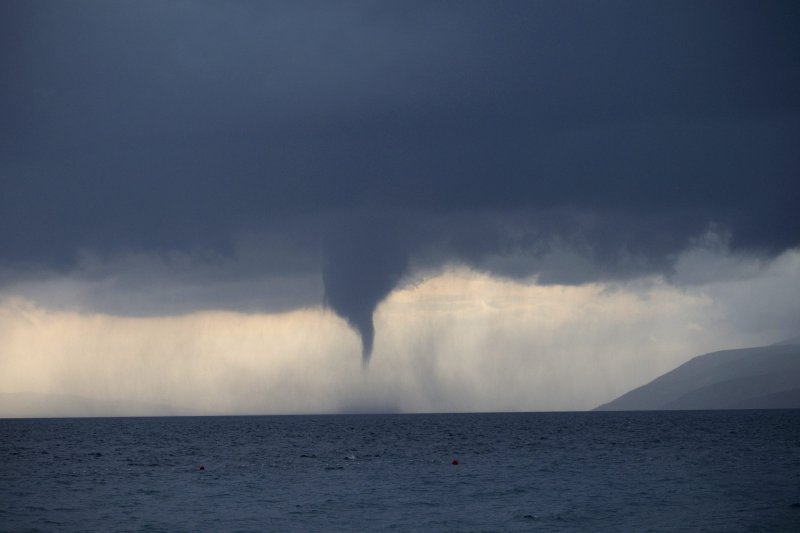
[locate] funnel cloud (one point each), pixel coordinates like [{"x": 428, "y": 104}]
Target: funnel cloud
[{"x": 363, "y": 263}]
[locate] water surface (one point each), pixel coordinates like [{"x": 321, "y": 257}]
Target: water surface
[{"x": 614, "y": 471}]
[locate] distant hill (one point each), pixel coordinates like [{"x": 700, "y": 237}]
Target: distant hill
[
  {"x": 766, "y": 377},
  {"x": 38, "y": 405}
]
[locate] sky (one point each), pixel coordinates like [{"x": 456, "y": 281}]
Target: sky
[{"x": 280, "y": 207}]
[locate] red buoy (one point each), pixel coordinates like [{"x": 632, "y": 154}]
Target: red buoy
[{"x": 454, "y": 462}]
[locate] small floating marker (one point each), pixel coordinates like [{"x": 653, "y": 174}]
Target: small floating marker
[
  {"x": 454, "y": 462},
  {"x": 202, "y": 468}
]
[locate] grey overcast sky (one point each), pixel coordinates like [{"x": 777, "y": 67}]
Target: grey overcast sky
[{"x": 272, "y": 156}]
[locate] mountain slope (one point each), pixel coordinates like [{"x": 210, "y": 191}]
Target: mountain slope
[{"x": 747, "y": 378}]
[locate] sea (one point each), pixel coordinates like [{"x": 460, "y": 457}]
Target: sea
[{"x": 588, "y": 471}]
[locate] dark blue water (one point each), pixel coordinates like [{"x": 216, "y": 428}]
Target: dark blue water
[{"x": 662, "y": 471}]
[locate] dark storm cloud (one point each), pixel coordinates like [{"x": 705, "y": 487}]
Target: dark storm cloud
[{"x": 370, "y": 134}]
